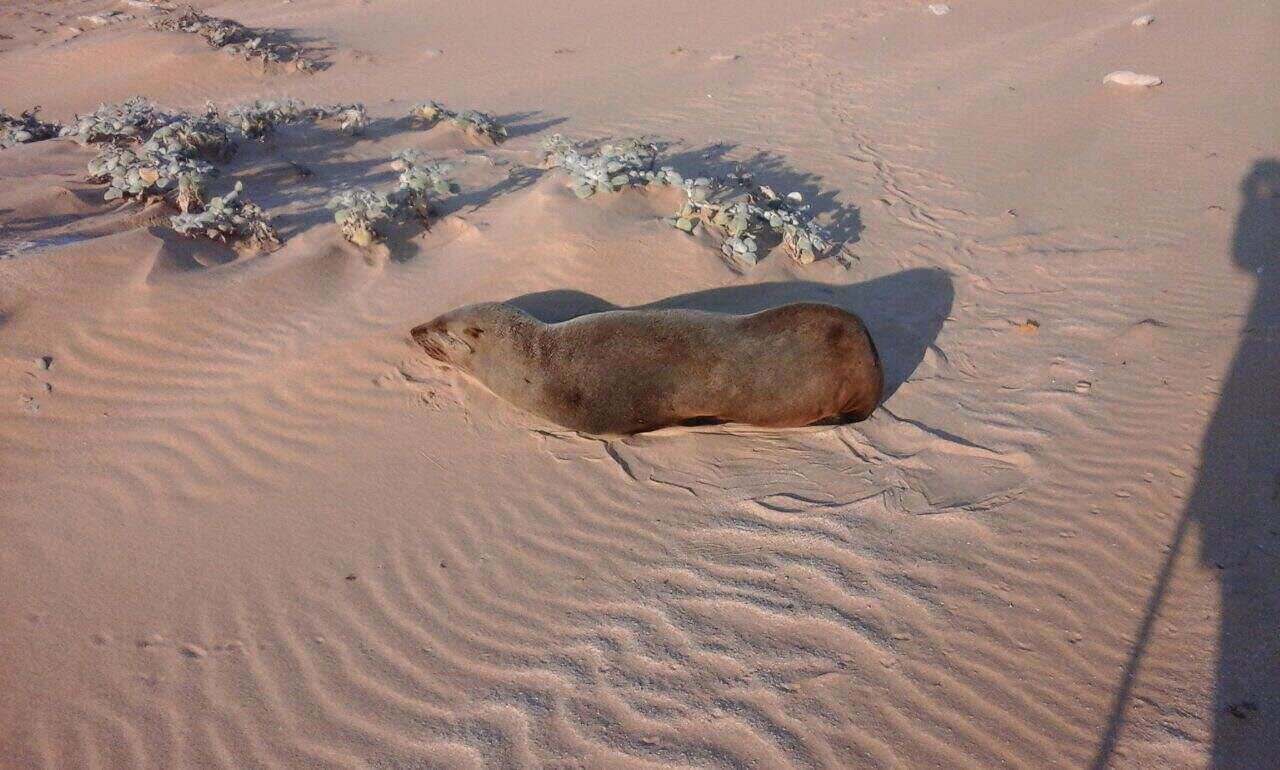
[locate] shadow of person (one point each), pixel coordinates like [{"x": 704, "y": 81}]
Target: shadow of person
[
  {"x": 1236, "y": 500},
  {"x": 904, "y": 312},
  {"x": 1236, "y": 505}
]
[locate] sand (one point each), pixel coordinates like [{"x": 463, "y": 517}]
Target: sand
[{"x": 244, "y": 523}]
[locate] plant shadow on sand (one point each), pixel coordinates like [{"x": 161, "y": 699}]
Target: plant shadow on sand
[
  {"x": 522, "y": 124},
  {"x": 1236, "y": 503},
  {"x": 903, "y": 311}
]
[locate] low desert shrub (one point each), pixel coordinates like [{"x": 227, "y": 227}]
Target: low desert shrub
[
  {"x": 480, "y": 125},
  {"x": 24, "y": 128},
  {"x": 609, "y": 168},
  {"x": 736, "y": 209},
  {"x": 229, "y": 218},
  {"x": 139, "y": 174},
  {"x": 127, "y": 121},
  {"x": 362, "y": 212},
  {"x": 233, "y": 37},
  {"x": 359, "y": 211},
  {"x": 259, "y": 119}
]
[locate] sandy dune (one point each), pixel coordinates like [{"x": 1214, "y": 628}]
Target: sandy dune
[{"x": 245, "y": 523}]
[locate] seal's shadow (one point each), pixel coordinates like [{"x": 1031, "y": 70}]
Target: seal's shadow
[{"x": 904, "y": 311}]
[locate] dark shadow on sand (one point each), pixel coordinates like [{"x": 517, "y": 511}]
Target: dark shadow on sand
[
  {"x": 904, "y": 311},
  {"x": 523, "y": 124},
  {"x": 1236, "y": 504}
]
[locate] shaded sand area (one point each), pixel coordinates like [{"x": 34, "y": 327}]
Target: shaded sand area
[{"x": 244, "y": 523}]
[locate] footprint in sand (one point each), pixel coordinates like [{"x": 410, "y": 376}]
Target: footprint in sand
[
  {"x": 152, "y": 642},
  {"x": 36, "y": 386},
  {"x": 429, "y": 385},
  {"x": 1142, "y": 337}
]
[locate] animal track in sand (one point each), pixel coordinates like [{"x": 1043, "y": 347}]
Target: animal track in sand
[
  {"x": 36, "y": 385},
  {"x": 895, "y": 464},
  {"x": 430, "y": 386},
  {"x": 1142, "y": 337}
]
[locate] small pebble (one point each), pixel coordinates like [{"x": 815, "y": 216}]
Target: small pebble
[
  {"x": 193, "y": 651},
  {"x": 1128, "y": 78},
  {"x": 939, "y": 9},
  {"x": 45, "y": 362},
  {"x": 1144, "y": 20},
  {"x": 1083, "y": 386}
]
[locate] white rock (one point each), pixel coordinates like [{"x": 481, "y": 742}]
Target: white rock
[
  {"x": 1127, "y": 78},
  {"x": 1144, "y": 20},
  {"x": 939, "y": 9}
]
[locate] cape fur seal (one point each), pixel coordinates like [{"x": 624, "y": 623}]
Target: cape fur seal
[{"x": 625, "y": 371}]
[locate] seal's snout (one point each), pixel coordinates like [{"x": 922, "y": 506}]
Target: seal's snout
[
  {"x": 426, "y": 336},
  {"x": 439, "y": 343}
]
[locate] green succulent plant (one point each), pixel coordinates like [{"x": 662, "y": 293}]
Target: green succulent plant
[
  {"x": 735, "y": 209},
  {"x": 419, "y": 179},
  {"x": 802, "y": 238},
  {"x": 235, "y": 38},
  {"x": 611, "y": 167},
  {"x": 139, "y": 174},
  {"x": 259, "y": 119},
  {"x": 130, "y": 120},
  {"x": 352, "y": 118},
  {"x": 479, "y": 125},
  {"x": 359, "y": 211},
  {"x": 429, "y": 113},
  {"x": 146, "y": 153},
  {"x": 229, "y": 218},
  {"x": 25, "y": 128},
  {"x": 204, "y": 137}
]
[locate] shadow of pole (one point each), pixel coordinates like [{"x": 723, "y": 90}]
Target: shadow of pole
[{"x": 1236, "y": 503}]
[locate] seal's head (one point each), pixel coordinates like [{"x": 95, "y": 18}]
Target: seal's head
[{"x": 455, "y": 337}]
